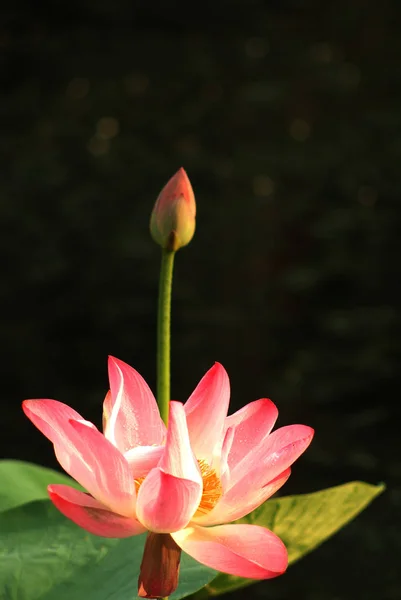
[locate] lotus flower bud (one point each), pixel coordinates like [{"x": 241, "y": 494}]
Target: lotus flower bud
[{"x": 172, "y": 223}]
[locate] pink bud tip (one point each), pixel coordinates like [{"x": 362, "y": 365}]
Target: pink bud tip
[{"x": 172, "y": 223}]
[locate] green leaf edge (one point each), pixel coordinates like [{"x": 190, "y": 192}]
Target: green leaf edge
[{"x": 15, "y": 493}]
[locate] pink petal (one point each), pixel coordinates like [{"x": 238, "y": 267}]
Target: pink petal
[
  {"x": 85, "y": 454},
  {"x": 257, "y": 477},
  {"x": 100, "y": 468},
  {"x": 224, "y": 471},
  {"x": 240, "y": 501},
  {"x": 251, "y": 425},
  {"x": 206, "y": 410},
  {"x": 50, "y": 417},
  {"x": 143, "y": 459},
  {"x": 91, "y": 515},
  {"x": 135, "y": 418},
  {"x": 171, "y": 493},
  {"x": 271, "y": 456},
  {"x": 242, "y": 550},
  {"x": 178, "y": 458},
  {"x": 166, "y": 503}
]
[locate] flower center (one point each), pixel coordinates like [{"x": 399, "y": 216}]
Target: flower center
[{"x": 212, "y": 489}]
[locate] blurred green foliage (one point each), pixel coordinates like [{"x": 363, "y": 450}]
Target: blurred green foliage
[{"x": 286, "y": 116}]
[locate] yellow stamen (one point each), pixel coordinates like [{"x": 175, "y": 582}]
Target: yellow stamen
[
  {"x": 138, "y": 482},
  {"x": 212, "y": 489}
]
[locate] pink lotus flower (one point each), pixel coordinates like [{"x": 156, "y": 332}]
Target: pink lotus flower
[{"x": 183, "y": 484}]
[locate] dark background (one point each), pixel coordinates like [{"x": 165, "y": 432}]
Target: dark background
[{"x": 287, "y": 117}]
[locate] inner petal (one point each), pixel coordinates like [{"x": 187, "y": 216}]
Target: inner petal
[{"x": 212, "y": 488}]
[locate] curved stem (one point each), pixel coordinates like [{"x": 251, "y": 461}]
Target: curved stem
[{"x": 163, "y": 333}]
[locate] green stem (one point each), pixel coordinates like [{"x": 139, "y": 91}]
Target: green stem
[{"x": 163, "y": 333}]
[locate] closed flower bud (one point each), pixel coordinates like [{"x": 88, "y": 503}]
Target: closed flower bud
[{"x": 172, "y": 223}]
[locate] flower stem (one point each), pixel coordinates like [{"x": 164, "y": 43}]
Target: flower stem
[{"x": 163, "y": 333}]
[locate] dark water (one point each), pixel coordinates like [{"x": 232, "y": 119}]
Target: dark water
[{"x": 286, "y": 117}]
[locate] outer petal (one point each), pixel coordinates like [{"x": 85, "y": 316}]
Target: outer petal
[
  {"x": 240, "y": 501},
  {"x": 50, "y": 417},
  {"x": 251, "y": 424},
  {"x": 85, "y": 454},
  {"x": 171, "y": 493},
  {"x": 271, "y": 457},
  {"x": 258, "y": 476},
  {"x": 206, "y": 410},
  {"x": 243, "y": 550},
  {"x": 101, "y": 469},
  {"x": 134, "y": 419},
  {"x": 91, "y": 515}
]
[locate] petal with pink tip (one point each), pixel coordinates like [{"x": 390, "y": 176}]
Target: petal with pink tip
[
  {"x": 240, "y": 501},
  {"x": 171, "y": 493},
  {"x": 91, "y": 515},
  {"x": 166, "y": 503},
  {"x": 51, "y": 417},
  {"x": 178, "y": 458},
  {"x": 251, "y": 425},
  {"x": 100, "y": 468},
  {"x": 143, "y": 459},
  {"x": 272, "y": 456},
  {"x": 242, "y": 550},
  {"x": 206, "y": 410},
  {"x": 85, "y": 454},
  {"x": 135, "y": 418}
]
